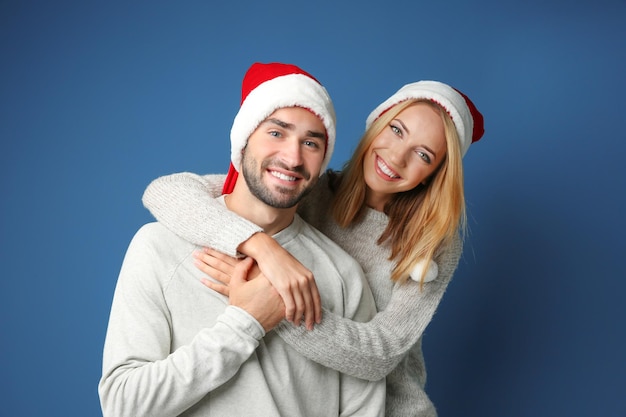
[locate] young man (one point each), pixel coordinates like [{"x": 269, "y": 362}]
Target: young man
[{"x": 174, "y": 347}]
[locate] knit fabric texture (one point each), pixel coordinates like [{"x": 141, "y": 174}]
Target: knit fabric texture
[{"x": 388, "y": 345}]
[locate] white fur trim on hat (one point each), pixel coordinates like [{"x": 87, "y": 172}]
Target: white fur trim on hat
[
  {"x": 285, "y": 91},
  {"x": 431, "y": 274},
  {"x": 440, "y": 93}
]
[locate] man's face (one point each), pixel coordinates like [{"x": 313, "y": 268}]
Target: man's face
[{"x": 283, "y": 157}]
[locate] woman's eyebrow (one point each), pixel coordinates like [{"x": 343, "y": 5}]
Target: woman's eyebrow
[{"x": 402, "y": 124}]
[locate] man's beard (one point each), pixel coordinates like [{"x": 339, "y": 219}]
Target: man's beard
[{"x": 282, "y": 197}]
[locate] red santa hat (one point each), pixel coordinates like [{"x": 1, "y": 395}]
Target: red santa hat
[
  {"x": 267, "y": 88},
  {"x": 466, "y": 117}
]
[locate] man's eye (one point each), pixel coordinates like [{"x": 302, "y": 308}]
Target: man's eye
[{"x": 311, "y": 143}]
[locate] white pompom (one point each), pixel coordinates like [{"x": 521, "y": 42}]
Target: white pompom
[{"x": 433, "y": 271}]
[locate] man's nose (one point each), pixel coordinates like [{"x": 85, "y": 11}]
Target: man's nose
[{"x": 292, "y": 152}]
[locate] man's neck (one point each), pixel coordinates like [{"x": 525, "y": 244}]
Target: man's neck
[{"x": 246, "y": 205}]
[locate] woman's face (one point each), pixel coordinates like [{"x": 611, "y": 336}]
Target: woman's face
[{"x": 404, "y": 154}]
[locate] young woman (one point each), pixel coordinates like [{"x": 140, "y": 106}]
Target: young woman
[{"x": 397, "y": 207}]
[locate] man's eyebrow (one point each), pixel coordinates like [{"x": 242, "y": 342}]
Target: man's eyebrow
[
  {"x": 280, "y": 123},
  {"x": 319, "y": 135},
  {"x": 291, "y": 126}
]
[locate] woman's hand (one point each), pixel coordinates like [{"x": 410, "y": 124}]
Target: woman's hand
[
  {"x": 209, "y": 262},
  {"x": 220, "y": 267},
  {"x": 292, "y": 280}
]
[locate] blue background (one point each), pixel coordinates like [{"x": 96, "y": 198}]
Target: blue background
[{"x": 99, "y": 98}]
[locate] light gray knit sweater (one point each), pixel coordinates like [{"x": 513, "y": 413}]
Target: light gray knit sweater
[{"x": 388, "y": 345}]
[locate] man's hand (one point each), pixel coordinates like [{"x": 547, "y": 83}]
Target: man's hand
[
  {"x": 292, "y": 280},
  {"x": 258, "y": 297}
]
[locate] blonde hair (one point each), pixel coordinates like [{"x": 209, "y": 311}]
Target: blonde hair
[{"x": 421, "y": 220}]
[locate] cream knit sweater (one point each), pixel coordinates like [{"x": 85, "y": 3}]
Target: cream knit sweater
[
  {"x": 388, "y": 345},
  {"x": 174, "y": 347}
]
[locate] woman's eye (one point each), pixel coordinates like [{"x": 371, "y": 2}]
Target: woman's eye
[
  {"x": 424, "y": 156},
  {"x": 395, "y": 130}
]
